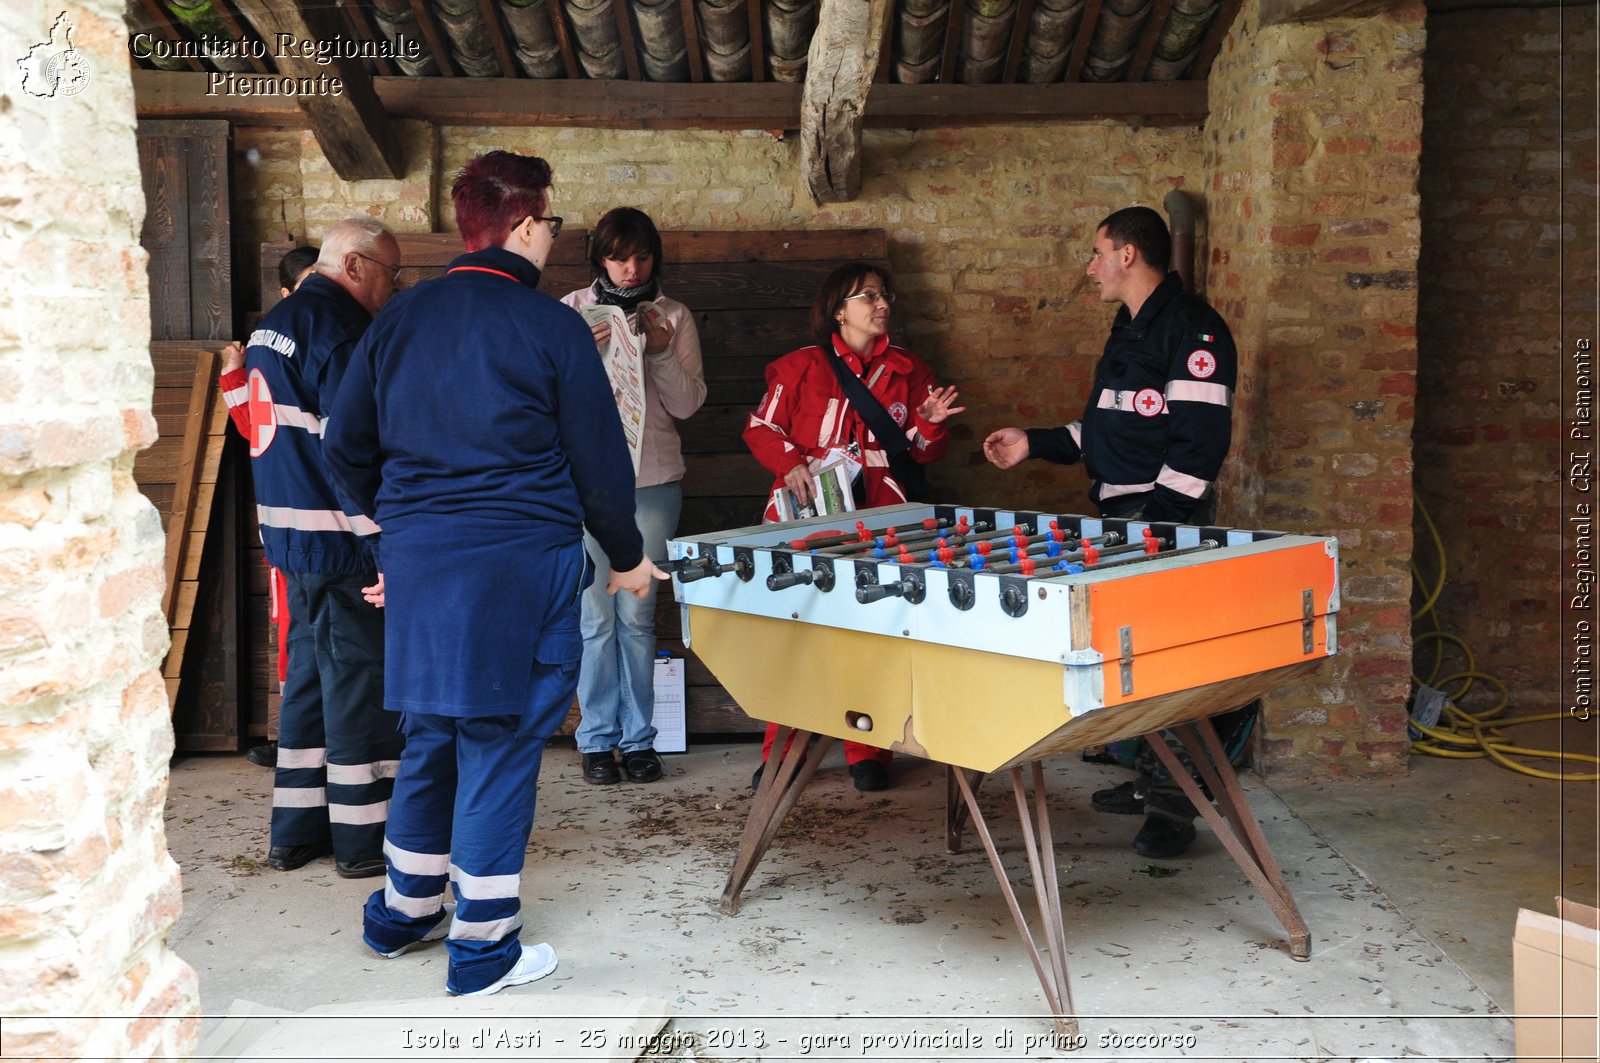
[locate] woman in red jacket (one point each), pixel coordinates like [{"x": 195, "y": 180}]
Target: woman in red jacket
[{"x": 806, "y": 421}]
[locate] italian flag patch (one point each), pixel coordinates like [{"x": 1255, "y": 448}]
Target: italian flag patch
[{"x": 1205, "y": 337}]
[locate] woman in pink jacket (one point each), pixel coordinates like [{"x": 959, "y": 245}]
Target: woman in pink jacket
[{"x": 616, "y": 684}]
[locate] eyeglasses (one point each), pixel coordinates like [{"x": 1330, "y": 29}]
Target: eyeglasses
[
  {"x": 870, "y": 296},
  {"x": 394, "y": 271},
  {"x": 555, "y": 224}
]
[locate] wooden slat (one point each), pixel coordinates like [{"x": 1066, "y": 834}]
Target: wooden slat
[
  {"x": 489, "y": 11},
  {"x": 691, "y": 39},
  {"x": 1153, "y": 25},
  {"x": 630, "y": 48},
  {"x": 185, "y": 482},
  {"x": 1215, "y": 35},
  {"x": 362, "y": 28},
  {"x": 210, "y": 276},
  {"x": 1019, "y": 37},
  {"x": 886, "y": 50},
  {"x": 1080, "y": 47},
  {"x": 435, "y": 38},
  {"x": 952, "y": 41},
  {"x": 238, "y": 30},
  {"x": 558, "y": 23},
  {"x": 165, "y": 236},
  {"x": 564, "y": 102},
  {"x": 758, "y": 41}
]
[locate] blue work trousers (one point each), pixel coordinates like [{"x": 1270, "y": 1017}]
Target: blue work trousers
[
  {"x": 462, "y": 812},
  {"x": 338, "y": 748}
]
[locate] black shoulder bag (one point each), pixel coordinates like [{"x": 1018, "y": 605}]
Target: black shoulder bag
[{"x": 907, "y": 471}]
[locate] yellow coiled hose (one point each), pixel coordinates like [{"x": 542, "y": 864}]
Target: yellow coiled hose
[{"x": 1463, "y": 734}]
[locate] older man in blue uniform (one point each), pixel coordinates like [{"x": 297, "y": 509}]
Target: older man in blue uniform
[
  {"x": 337, "y": 746},
  {"x": 478, "y": 427}
]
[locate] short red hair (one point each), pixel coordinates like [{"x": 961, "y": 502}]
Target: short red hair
[{"x": 494, "y": 192}]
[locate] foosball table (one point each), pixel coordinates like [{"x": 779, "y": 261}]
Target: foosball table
[{"x": 989, "y": 639}]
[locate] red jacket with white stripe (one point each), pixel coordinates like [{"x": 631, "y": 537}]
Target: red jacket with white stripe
[
  {"x": 1159, "y": 417},
  {"x": 805, "y": 413}
]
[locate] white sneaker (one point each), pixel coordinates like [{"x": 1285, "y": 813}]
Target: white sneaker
[
  {"x": 435, "y": 932},
  {"x": 535, "y": 962}
]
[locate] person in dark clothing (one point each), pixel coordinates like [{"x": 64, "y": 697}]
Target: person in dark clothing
[
  {"x": 295, "y": 266},
  {"x": 1153, "y": 436},
  {"x": 478, "y": 428},
  {"x": 337, "y": 746}
]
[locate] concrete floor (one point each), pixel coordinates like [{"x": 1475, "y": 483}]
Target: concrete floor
[{"x": 858, "y": 927}]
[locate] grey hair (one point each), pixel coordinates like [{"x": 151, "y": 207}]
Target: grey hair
[{"x": 362, "y": 235}]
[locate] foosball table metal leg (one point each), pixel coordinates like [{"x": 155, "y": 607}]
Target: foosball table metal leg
[
  {"x": 955, "y": 810},
  {"x": 789, "y": 768},
  {"x": 1235, "y": 824},
  {"x": 1039, "y": 843}
]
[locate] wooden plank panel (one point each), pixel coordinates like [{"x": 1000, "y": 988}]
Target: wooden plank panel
[
  {"x": 165, "y": 235},
  {"x": 211, "y": 272}
]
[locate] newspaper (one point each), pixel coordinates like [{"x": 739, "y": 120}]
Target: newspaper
[
  {"x": 831, "y": 477},
  {"x": 623, "y": 357}
]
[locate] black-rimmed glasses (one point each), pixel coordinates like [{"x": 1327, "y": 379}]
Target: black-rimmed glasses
[{"x": 555, "y": 224}]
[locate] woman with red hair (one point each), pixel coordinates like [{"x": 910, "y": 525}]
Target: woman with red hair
[{"x": 476, "y": 425}]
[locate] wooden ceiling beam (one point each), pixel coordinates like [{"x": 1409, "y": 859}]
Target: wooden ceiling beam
[
  {"x": 557, "y": 10},
  {"x": 627, "y": 41},
  {"x": 1019, "y": 37},
  {"x": 438, "y": 43},
  {"x": 240, "y": 31},
  {"x": 352, "y": 128},
  {"x": 952, "y": 41},
  {"x": 1080, "y": 47},
  {"x": 840, "y": 65},
  {"x": 593, "y": 104},
  {"x": 691, "y": 40},
  {"x": 360, "y": 22},
  {"x": 489, "y": 11},
  {"x": 758, "y": 40},
  {"x": 1154, "y": 24},
  {"x": 1216, "y": 33}
]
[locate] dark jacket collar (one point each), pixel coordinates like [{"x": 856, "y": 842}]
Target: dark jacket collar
[
  {"x": 1171, "y": 287},
  {"x": 327, "y": 288},
  {"x": 502, "y": 261}
]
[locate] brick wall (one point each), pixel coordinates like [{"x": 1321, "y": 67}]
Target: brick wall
[
  {"x": 1312, "y": 157},
  {"x": 87, "y": 890},
  {"x": 1508, "y": 208}
]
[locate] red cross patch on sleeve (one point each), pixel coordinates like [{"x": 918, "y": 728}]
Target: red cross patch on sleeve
[{"x": 1202, "y": 363}]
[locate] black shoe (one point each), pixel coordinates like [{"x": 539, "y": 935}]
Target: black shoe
[
  {"x": 264, "y": 755},
  {"x": 369, "y": 868},
  {"x": 601, "y": 769},
  {"x": 755, "y": 780},
  {"x": 289, "y": 857},
  {"x": 869, "y": 775},
  {"x": 642, "y": 765},
  {"x": 1162, "y": 839},
  {"x": 1124, "y": 799}
]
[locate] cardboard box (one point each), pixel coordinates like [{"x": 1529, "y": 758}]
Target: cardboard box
[{"x": 1555, "y": 960}]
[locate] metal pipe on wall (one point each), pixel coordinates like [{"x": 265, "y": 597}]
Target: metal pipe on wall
[{"x": 1180, "y": 212}]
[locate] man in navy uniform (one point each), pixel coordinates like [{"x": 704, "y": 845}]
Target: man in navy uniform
[
  {"x": 1153, "y": 436},
  {"x": 338, "y": 748}
]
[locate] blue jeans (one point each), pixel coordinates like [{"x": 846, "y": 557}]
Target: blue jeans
[{"x": 616, "y": 682}]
